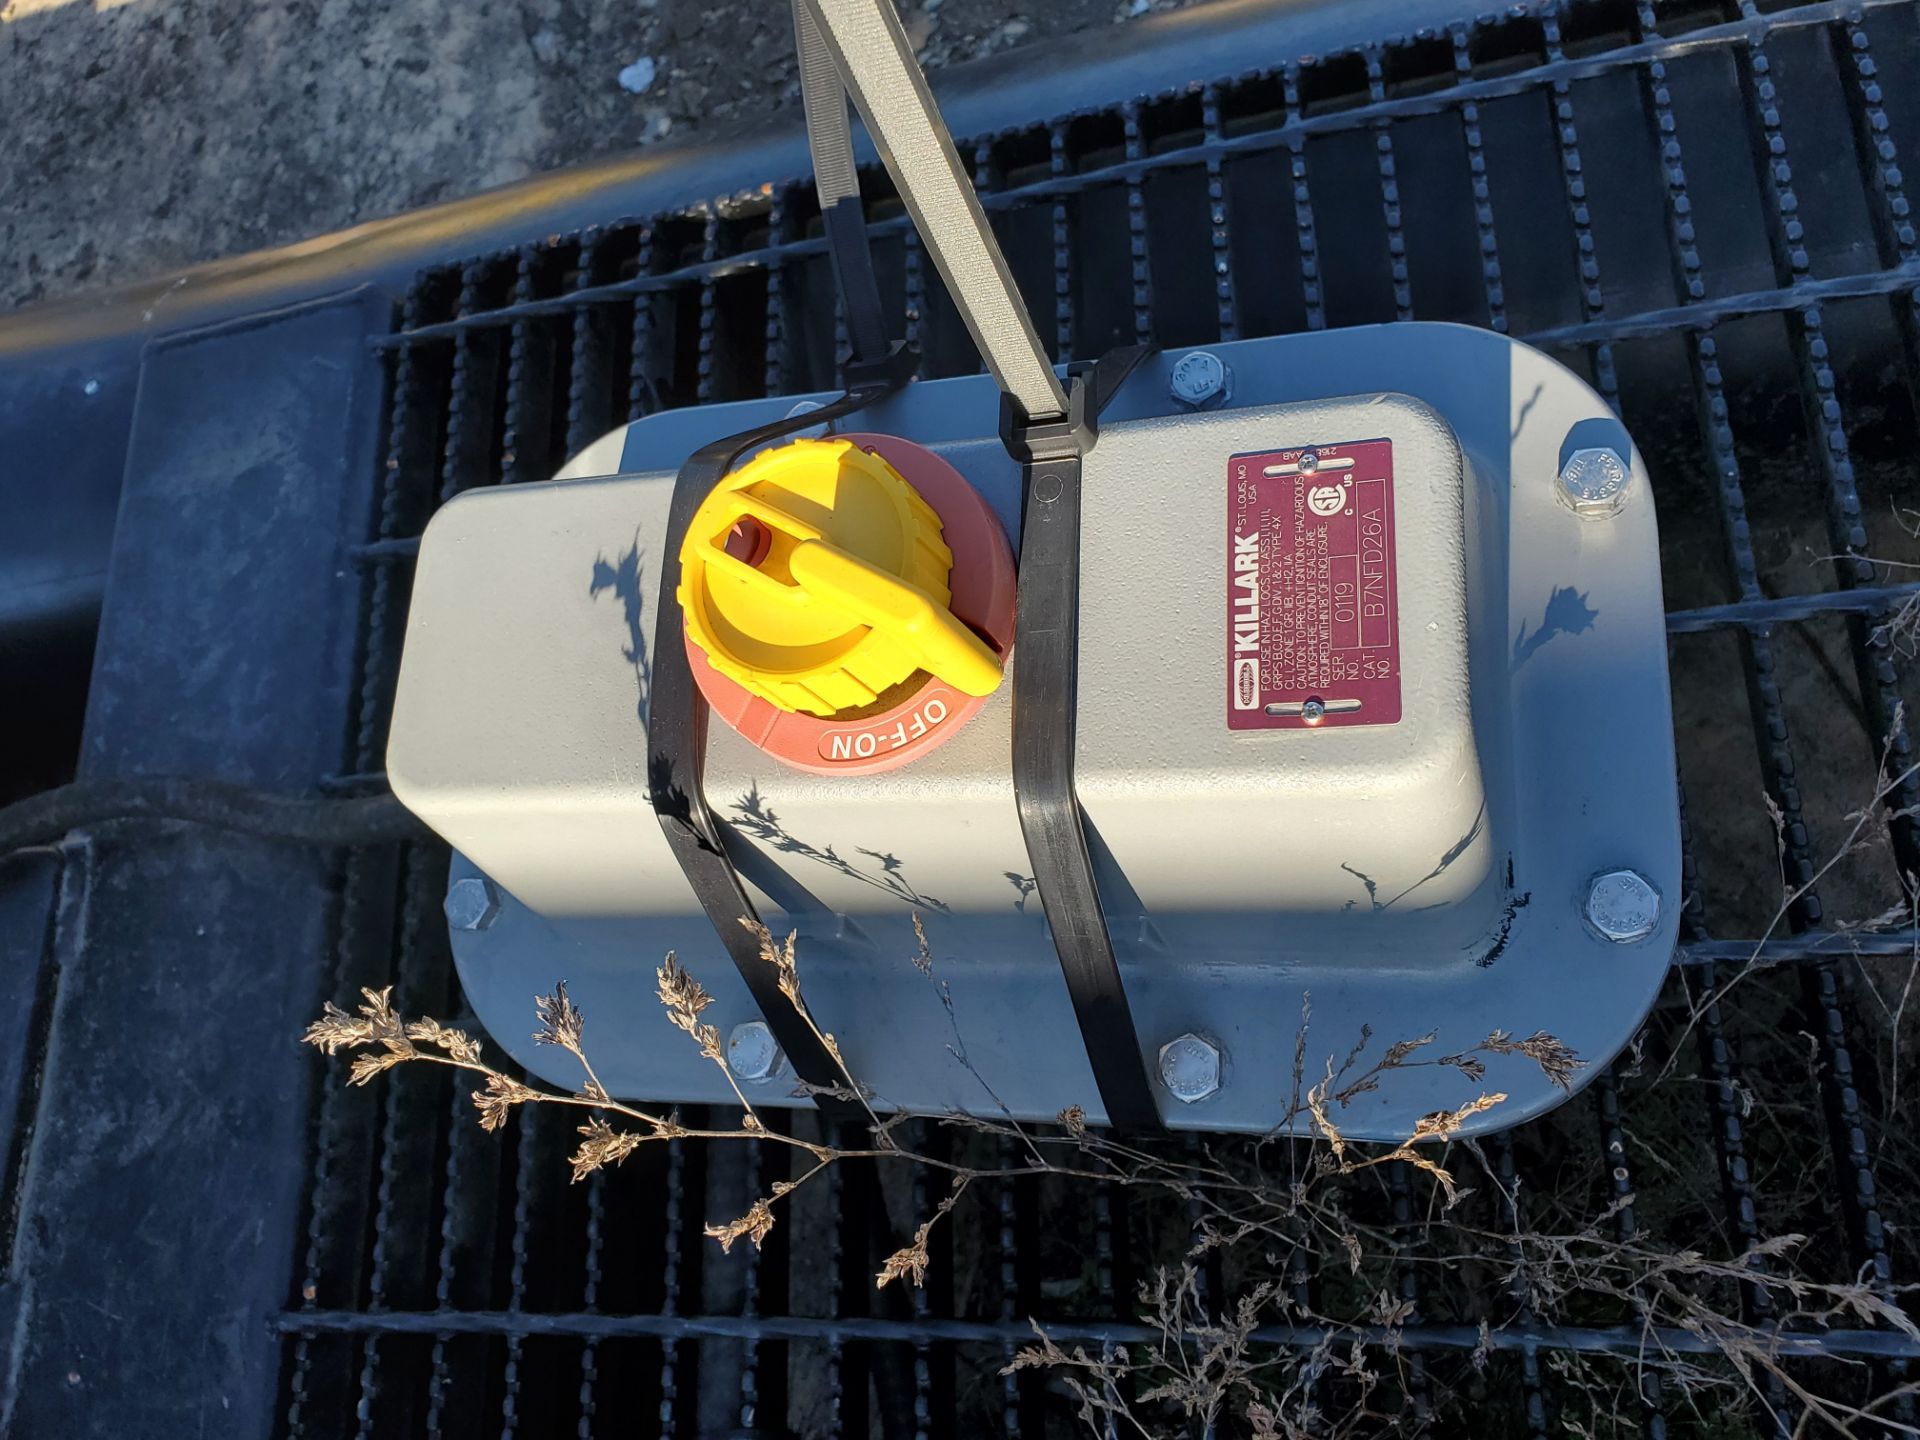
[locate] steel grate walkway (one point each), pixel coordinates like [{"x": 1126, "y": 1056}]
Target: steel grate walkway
[{"x": 1699, "y": 207}]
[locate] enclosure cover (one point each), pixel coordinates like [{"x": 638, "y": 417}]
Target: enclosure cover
[{"x": 1365, "y": 709}]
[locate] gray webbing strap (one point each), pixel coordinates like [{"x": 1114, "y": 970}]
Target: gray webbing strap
[
  {"x": 870, "y": 49},
  {"x": 837, "y": 182},
  {"x": 829, "y": 132}
]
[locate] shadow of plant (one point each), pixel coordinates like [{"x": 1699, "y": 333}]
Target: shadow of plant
[
  {"x": 624, "y": 577},
  {"x": 1454, "y": 852},
  {"x": 1566, "y": 614},
  {"x": 886, "y": 873}
]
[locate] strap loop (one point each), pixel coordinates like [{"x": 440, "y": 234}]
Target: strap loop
[
  {"x": 875, "y": 59},
  {"x": 677, "y": 759},
  {"x": 837, "y": 183},
  {"x": 1045, "y": 683}
]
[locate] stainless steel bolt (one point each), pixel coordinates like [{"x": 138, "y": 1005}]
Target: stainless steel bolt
[
  {"x": 1593, "y": 483},
  {"x": 1201, "y": 380},
  {"x": 807, "y": 407},
  {"x": 752, "y": 1052},
  {"x": 1190, "y": 1067},
  {"x": 1623, "y": 906},
  {"x": 473, "y": 903},
  {"x": 1313, "y": 711}
]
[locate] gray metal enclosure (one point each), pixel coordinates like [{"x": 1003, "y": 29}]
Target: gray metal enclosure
[
  {"x": 1236, "y": 880},
  {"x": 1697, "y": 207}
]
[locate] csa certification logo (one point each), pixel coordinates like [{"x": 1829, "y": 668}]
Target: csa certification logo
[{"x": 1326, "y": 499}]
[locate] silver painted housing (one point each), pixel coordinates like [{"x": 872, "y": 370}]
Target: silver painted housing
[{"x": 1429, "y": 876}]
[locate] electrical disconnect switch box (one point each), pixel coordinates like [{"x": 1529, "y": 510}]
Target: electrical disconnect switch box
[{"x": 1370, "y": 721}]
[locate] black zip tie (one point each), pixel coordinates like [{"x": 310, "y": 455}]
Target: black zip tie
[
  {"x": 677, "y": 759},
  {"x": 1045, "y": 681}
]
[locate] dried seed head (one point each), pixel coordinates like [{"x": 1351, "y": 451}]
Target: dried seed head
[
  {"x": 923, "y": 952},
  {"x": 1391, "y": 1314},
  {"x": 781, "y": 957},
  {"x": 755, "y": 1225},
  {"x": 833, "y": 1048},
  {"x": 1557, "y": 1061},
  {"x": 1323, "y": 1122},
  {"x": 602, "y": 1145},
  {"x": 500, "y": 1095},
  {"x": 685, "y": 998},
  {"x": 1365, "y": 1085},
  {"x": 374, "y": 1024},
  {"x": 683, "y": 995},
  {"x": 457, "y": 1043},
  {"x": 1366, "y": 1038},
  {"x": 1442, "y": 1123},
  {"x": 910, "y": 1263},
  {"x": 561, "y": 1022},
  {"x": 1398, "y": 1052},
  {"x": 365, "y": 1067}
]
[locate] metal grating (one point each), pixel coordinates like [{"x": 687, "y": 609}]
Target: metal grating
[{"x": 1701, "y": 208}]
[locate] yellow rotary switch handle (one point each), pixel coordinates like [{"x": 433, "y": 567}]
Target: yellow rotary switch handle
[
  {"x": 905, "y": 613},
  {"x": 816, "y": 577}
]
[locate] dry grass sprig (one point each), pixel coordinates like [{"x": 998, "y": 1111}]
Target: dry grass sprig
[
  {"x": 1077, "y": 1152},
  {"x": 561, "y": 1022},
  {"x": 1208, "y": 1359},
  {"x": 781, "y": 957},
  {"x": 365, "y": 1067},
  {"x": 685, "y": 998},
  {"x": 425, "y": 1040},
  {"x": 1555, "y": 1060},
  {"x": 1438, "y": 1125},
  {"x": 1207, "y": 1366},
  {"x": 1864, "y": 822},
  {"x": 457, "y": 1043},
  {"x": 496, "y": 1099},
  {"x": 1094, "y": 1382},
  {"x": 755, "y": 1225},
  {"x": 373, "y": 1024},
  {"x": 911, "y": 1261},
  {"x": 601, "y": 1145}
]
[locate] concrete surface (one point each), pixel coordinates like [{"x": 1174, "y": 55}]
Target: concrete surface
[{"x": 144, "y": 135}]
